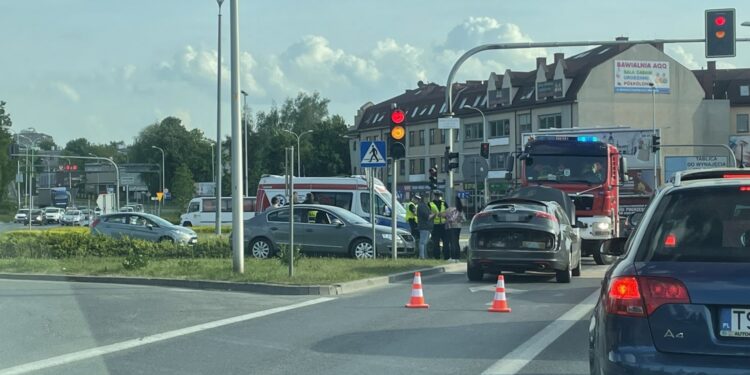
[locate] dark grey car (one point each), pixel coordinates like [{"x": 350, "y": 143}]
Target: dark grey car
[
  {"x": 142, "y": 226},
  {"x": 321, "y": 229},
  {"x": 521, "y": 234}
]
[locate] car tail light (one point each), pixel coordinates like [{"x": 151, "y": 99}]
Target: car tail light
[
  {"x": 545, "y": 215},
  {"x": 736, "y": 175},
  {"x": 744, "y": 188},
  {"x": 641, "y": 296}
]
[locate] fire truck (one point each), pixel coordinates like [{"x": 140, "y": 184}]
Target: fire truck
[{"x": 590, "y": 171}]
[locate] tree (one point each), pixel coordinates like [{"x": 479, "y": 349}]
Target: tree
[
  {"x": 78, "y": 147},
  {"x": 47, "y": 145},
  {"x": 7, "y": 170},
  {"x": 183, "y": 186}
]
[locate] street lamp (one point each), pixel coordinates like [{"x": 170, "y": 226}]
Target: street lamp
[
  {"x": 653, "y": 131},
  {"x": 217, "y": 229},
  {"x": 299, "y": 174},
  {"x": 484, "y": 140},
  {"x": 213, "y": 173},
  {"x": 163, "y": 184},
  {"x": 245, "y": 149}
]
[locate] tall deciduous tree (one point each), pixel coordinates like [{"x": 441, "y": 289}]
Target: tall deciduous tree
[
  {"x": 183, "y": 186},
  {"x": 7, "y": 170}
]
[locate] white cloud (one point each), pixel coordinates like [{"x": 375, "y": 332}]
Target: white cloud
[
  {"x": 67, "y": 91},
  {"x": 683, "y": 56}
]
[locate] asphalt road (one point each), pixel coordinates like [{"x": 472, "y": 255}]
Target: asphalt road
[{"x": 72, "y": 328}]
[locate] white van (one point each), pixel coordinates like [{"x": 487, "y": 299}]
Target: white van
[
  {"x": 202, "y": 211},
  {"x": 351, "y": 193}
]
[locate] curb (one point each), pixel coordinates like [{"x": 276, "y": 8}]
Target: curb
[{"x": 260, "y": 288}]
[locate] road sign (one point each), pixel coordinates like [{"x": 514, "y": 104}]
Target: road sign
[
  {"x": 19, "y": 178},
  {"x": 372, "y": 154},
  {"x": 449, "y": 123},
  {"x": 463, "y": 194},
  {"x": 474, "y": 167},
  {"x": 159, "y": 195},
  {"x": 127, "y": 180}
]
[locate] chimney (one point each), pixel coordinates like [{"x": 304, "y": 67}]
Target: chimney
[
  {"x": 541, "y": 61},
  {"x": 622, "y": 47},
  {"x": 559, "y": 56}
]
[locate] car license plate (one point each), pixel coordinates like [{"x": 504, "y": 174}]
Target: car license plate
[
  {"x": 511, "y": 217},
  {"x": 735, "y": 322}
]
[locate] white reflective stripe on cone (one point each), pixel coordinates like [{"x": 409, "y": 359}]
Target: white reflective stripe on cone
[
  {"x": 499, "y": 296},
  {"x": 417, "y": 280},
  {"x": 416, "y": 292}
]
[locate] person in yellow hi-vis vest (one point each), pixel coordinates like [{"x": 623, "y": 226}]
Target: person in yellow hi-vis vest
[
  {"x": 411, "y": 214},
  {"x": 438, "y": 207},
  {"x": 310, "y": 199}
]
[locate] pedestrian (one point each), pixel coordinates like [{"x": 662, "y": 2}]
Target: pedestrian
[
  {"x": 424, "y": 223},
  {"x": 438, "y": 207},
  {"x": 309, "y": 199},
  {"x": 274, "y": 203},
  {"x": 311, "y": 214},
  {"x": 411, "y": 214},
  {"x": 455, "y": 218}
]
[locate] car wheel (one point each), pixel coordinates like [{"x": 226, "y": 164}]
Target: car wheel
[
  {"x": 362, "y": 249},
  {"x": 474, "y": 273},
  {"x": 564, "y": 276},
  {"x": 261, "y": 248},
  {"x": 577, "y": 271},
  {"x": 187, "y": 224}
]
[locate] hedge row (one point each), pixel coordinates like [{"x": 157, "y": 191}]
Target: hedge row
[{"x": 56, "y": 245}]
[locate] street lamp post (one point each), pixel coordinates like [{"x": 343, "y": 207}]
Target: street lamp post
[
  {"x": 245, "y": 148},
  {"x": 163, "y": 184},
  {"x": 484, "y": 139},
  {"x": 218, "y": 127},
  {"x": 299, "y": 165},
  {"x": 653, "y": 131},
  {"x": 213, "y": 172}
]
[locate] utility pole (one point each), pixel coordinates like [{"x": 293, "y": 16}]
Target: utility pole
[
  {"x": 238, "y": 242},
  {"x": 218, "y": 129}
]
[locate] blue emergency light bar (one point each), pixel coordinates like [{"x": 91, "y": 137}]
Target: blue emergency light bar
[{"x": 582, "y": 138}]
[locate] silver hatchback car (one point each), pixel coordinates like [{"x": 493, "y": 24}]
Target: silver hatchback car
[
  {"x": 321, "y": 229},
  {"x": 142, "y": 226}
]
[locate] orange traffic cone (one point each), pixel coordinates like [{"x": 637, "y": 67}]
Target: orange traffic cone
[
  {"x": 499, "y": 303},
  {"x": 417, "y": 298}
]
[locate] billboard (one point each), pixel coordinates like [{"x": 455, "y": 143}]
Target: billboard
[
  {"x": 740, "y": 145},
  {"x": 635, "y": 76},
  {"x": 634, "y": 144},
  {"x": 674, "y": 164}
]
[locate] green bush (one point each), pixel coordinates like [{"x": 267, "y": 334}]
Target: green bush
[
  {"x": 136, "y": 259},
  {"x": 58, "y": 245},
  {"x": 283, "y": 254}
]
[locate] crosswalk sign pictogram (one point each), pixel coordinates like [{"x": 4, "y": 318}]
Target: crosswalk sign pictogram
[{"x": 372, "y": 154}]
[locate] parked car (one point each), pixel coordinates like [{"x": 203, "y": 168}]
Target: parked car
[
  {"x": 137, "y": 207},
  {"x": 88, "y": 216},
  {"x": 126, "y": 209},
  {"x": 523, "y": 234},
  {"x": 676, "y": 301},
  {"x": 52, "y": 215},
  {"x": 22, "y": 216},
  {"x": 36, "y": 217},
  {"x": 321, "y": 229},
  {"x": 143, "y": 226},
  {"x": 72, "y": 217}
]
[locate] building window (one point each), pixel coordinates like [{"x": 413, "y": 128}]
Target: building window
[
  {"x": 432, "y": 136},
  {"x": 412, "y": 138},
  {"x": 433, "y": 162},
  {"x": 553, "y": 121},
  {"x": 499, "y": 128},
  {"x": 497, "y": 160},
  {"x": 742, "y": 123},
  {"x": 744, "y": 90},
  {"x": 416, "y": 166},
  {"x": 524, "y": 123},
  {"x": 473, "y": 131},
  {"x": 442, "y": 136},
  {"x": 421, "y": 137},
  {"x": 401, "y": 167},
  {"x": 441, "y": 166}
]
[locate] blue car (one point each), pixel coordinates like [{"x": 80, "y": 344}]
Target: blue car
[{"x": 677, "y": 301}]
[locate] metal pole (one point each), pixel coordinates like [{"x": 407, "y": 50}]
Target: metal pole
[
  {"x": 219, "y": 173},
  {"x": 31, "y": 191},
  {"x": 485, "y": 140},
  {"x": 213, "y": 170},
  {"x": 291, "y": 213},
  {"x": 372, "y": 213},
  {"x": 653, "y": 131},
  {"x": 163, "y": 179},
  {"x": 475, "y": 186},
  {"x": 245, "y": 149},
  {"x": 18, "y": 183},
  {"x": 299, "y": 164},
  {"x": 394, "y": 233},
  {"x": 238, "y": 243}
]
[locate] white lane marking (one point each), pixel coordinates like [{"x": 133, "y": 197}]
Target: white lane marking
[
  {"x": 516, "y": 360},
  {"x": 491, "y": 288},
  {"x": 129, "y": 344}
]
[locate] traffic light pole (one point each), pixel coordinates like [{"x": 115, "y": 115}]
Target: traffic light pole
[
  {"x": 503, "y": 46},
  {"x": 372, "y": 213},
  {"x": 394, "y": 234}
]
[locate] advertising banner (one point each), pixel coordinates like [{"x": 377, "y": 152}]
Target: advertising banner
[
  {"x": 635, "y": 76},
  {"x": 674, "y": 164},
  {"x": 740, "y": 145}
]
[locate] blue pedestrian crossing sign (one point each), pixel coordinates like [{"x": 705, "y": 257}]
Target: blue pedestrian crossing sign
[{"x": 372, "y": 154}]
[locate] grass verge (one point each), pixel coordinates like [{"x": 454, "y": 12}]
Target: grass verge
[{"x": 307, "y": 271}]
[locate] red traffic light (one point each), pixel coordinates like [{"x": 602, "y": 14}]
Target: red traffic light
[
  {"x": 67, "y": 167},
  {"x": 397, "y": 116},
  {"x": 74, "y": 167},
  {"x": 720, "y": 20}
]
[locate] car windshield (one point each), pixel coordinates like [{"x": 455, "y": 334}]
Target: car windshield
[
  {"x": 588, "y": 169},
  {"x": 349, "y": 216},
  {"x": 708, "y": 224},
  {"x": 158, "y": 221}
]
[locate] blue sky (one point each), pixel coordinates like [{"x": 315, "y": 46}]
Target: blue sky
[{"x": 104, "y": 69}]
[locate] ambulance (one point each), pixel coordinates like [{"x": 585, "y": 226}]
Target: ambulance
[{"x": 351, "y": 193}]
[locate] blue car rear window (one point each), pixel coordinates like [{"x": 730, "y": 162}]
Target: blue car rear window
[{"x": 700, "y": 225}]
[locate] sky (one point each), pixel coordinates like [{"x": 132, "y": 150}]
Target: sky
[{"x": 105, "y": 69}]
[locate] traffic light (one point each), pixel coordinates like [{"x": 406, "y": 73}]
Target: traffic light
[
  {"x": 397, "y": 139},
  {"x": 484, "y": 150},
  {"x": 433, "y": 178},
  {"x": 451, "y": 160},
  {"x": 720, "y": 33},
  {"x": 655, "y": 143}
]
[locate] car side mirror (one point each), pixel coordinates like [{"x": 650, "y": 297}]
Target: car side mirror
[
  {"x": 634, "y": 219},
  {"x": 337, "y": 223},
  {"x": 614, "y": 246}
]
